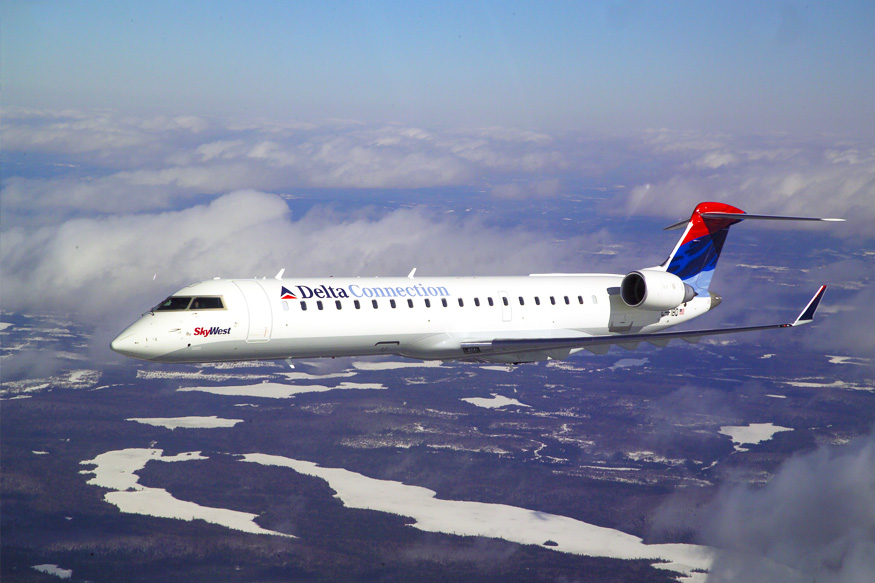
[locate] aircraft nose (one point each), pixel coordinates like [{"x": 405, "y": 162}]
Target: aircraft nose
[
  {"x": 134, "y": 341},
  {"x": 124, "y": 344}
]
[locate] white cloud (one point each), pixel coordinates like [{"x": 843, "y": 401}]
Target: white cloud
[
  {"x": 772, "y": 175},
  {"x": 118, "y": 164},
  {"x": 101, "y": 132},
  {"x": 101, "y": 266},
  {"x": 814, "y": 520}
]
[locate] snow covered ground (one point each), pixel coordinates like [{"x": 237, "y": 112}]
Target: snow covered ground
[
  {"x": 116, "y": 470},
  {"x": 627, "y": 362},
  {"x": 210, "y": 422},
  {"x": 807, "y": 384},
  {"x": 496, "y": 402},
  {"x": 751, "y": 434},
  {"x": 278, "y": 390},
  {"x": 55, "y": 570},
  {"x": 396, "y": 365},
  {"x": 510, "y": 523},
  {"x": 849, "y": 360}
]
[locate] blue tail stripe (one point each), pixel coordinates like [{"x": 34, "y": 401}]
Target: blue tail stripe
[{"x": 695, "y": 261}]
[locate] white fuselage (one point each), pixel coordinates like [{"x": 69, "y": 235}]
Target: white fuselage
[{"x": 424, "y": 318}]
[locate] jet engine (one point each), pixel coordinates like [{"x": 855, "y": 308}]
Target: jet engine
[{"x": 654, "y": 289}]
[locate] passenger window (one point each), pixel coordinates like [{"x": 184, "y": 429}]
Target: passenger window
[
  {"x": 595, "y": 300},
  {"x": 552, "y": 300},
  {"x": 506, "y": 303},
  {"x": 427, "y": 303},
  {"x": 489, "y": 301},
  {"x": 537, "y": 301},
  {"x": 285, "y": 306},
  {"x": 374, "y": 303},
  {"x": 477, "y": 302},
  {"x": 444, "y": 302},
  {"x": 303, "y": 306},
  {"x": 337, "y": 303},
  {"x": 567, "y": 301},
  {"x": 580, "y": 299},
  {"x": 461, "y": 303},
  {"x": 357, "y": 304},
  {"x": 319, "y": 304},
  {"x": 172, "y": 304},
  {"x": 522, "y": 301},
  {"x": 409, "y": 303},
  {"x": 392, "y": 303}
]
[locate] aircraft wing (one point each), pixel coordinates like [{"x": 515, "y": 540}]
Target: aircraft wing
[{"x": 513, "y": 345}]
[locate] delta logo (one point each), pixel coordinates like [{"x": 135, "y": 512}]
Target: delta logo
[
  {"x": 285, "y": 294},
  {"x": 215, "y": 330}
]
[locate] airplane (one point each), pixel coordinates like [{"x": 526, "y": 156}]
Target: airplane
[{"x": 508, "y": 320}]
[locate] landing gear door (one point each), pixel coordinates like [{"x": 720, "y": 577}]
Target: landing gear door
[{"x": 260, "y": 317}]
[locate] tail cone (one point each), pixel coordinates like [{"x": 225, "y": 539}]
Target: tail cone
[{"x": 715, "y": 300}]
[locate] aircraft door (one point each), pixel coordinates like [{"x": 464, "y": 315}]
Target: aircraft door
[
  {"x": 505, "y": 306},
  {"x": 260, "y": 317}
]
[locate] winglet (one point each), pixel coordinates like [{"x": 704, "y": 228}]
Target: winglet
[{"x": 807, "y": 314}]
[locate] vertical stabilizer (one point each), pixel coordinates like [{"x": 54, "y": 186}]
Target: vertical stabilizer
[{"x": 695, "y": 255}]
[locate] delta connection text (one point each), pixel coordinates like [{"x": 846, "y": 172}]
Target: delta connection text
[{"x": 358, "y": 291}]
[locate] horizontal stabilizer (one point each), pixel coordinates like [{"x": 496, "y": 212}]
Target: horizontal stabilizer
[
  {"x": 600, "y": 344},
  {"x": 708, "y": 215},
  {"x": 745, "y": 216}
]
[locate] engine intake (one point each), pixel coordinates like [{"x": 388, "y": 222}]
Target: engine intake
[{"x": 653, "y": 289}]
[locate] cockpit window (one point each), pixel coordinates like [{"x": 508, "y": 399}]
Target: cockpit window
[
  {"x": 173, "y": 303},
  {"x": 178, "y": 303},
  {"x": 207, "y": 303}
]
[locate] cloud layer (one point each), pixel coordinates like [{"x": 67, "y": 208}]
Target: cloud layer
[
  {"x": 813, "y": 521},
  {"x": 117, "y": 164},
  {"x": 767, "y": 174},
  {"x": 103, "y": 162},
  {"x": 94, "y": 266}
]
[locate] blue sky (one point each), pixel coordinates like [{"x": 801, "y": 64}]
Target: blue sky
[{"x": 604, "y": 66}]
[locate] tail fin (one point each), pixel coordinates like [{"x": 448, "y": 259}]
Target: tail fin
[{"x": 695, "y": 255}]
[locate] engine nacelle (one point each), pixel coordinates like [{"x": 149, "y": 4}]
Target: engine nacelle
[{"x": 653, "y": 289}]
